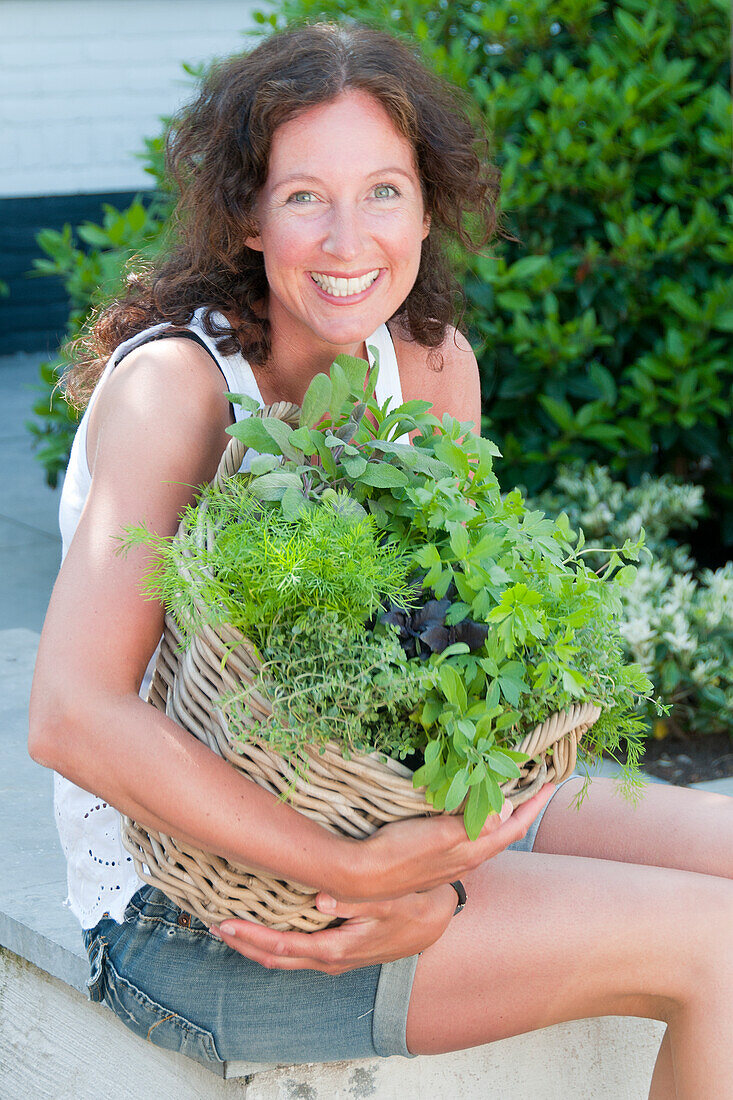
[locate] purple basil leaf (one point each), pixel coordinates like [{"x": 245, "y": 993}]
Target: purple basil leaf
[
  {"x": 473, "y": 634},
  {"x": 437, "y": 637},
  {"x": 432, "y": 613}
]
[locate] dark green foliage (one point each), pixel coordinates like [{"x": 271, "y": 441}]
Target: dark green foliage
[
  {"x": 605, "y": 332},
  {"x": 93, "y": 261}
]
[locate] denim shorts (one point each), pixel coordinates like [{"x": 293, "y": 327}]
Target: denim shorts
[{"x": 175, "y": 985}]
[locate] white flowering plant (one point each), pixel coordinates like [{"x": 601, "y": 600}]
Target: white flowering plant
[{"x": 677, "y": 621}]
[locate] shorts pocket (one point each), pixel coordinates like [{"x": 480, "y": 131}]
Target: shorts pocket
[
  {"x": 154, "y": 1022},
  {"x": 97, "y": 951}
]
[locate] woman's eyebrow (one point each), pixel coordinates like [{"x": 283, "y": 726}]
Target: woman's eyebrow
[{"x": 305, "y": 178}]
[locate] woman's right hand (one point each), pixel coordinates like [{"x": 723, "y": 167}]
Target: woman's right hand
[{"x": 419, "y": 853}]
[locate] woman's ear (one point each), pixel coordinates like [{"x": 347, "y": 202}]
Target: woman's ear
[
  {"x": 425, "y": 226},
  {"x": 254, "y": 243}
]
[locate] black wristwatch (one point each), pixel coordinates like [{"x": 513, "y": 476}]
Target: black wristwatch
[{"x": 458, "y": 887}]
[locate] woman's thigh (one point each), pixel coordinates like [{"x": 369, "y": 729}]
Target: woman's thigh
[
  {"x": 585, "y": 924},
  {"x": 548, "y": 938},
  {"x": 668, "y": 827}
]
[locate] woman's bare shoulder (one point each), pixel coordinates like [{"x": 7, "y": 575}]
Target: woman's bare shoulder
[
  {"x": 447, "y": 376},
  {"x": 171, "y": 387}
]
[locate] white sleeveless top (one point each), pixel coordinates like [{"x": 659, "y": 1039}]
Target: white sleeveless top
[{"x": 101, "y": 877}]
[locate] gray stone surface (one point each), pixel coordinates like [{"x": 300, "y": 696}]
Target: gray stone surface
[
  {"x": 33, "y": 920},
  {"x": 30, "y": 545},
  {"x": 718, "y": 786}
]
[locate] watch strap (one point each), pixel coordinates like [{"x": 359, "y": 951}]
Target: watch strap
[{"x": 459, "y": 889}]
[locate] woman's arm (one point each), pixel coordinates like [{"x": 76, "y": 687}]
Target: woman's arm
[{"x": 160, "y": 429}]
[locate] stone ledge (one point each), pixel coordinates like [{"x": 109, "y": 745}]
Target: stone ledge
[
  {"x": 51, "y": 1036},
  {"x": 34, "y": 924}
]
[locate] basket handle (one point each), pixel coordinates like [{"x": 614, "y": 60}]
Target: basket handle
[{"x": 235, "y": 449}]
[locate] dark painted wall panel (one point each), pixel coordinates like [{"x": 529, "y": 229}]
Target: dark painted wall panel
[{"x": 33, "y": 317}]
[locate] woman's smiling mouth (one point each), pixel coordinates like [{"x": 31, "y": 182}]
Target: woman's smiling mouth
[{"x": 336, "y": 286}]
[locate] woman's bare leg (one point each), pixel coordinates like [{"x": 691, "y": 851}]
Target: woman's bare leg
[
  {"x": 670, "y": 827},
  {"x": 663, "y": 1084},
  {"x": 551, "y": 937}
]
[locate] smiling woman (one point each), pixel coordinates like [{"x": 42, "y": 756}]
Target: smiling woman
[{"x": 318, "y": 175}]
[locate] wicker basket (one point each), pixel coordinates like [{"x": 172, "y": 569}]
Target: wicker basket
[{"x": 352, "y": 797}]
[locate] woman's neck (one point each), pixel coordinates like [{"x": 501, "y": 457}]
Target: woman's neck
[{"x": 293, "y": 364}]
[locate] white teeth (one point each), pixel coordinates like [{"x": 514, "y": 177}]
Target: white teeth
[{"x": 342, "y": 288}]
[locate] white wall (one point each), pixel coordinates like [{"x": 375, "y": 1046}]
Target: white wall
[{"x": 82, "y": 82}]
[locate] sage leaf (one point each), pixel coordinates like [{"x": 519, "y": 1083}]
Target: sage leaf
[
  {"x": 303, "y": 440},
  {"x": 355, "y": 372},
  {"x": 254, "y": 434},
  {"x": 282, "y": 434},
  {"x": 502, "y": 765},
  {"x": 273, "y": 486},
  {"x": 477, "y": 810},
  {"x": 457, "y": 790},
  {"x": 411, "y": 457},
  {"x": 293, "y": 503},
  {"x": 248, "y": 403},
  {"x": 316, "y": 401},
  {"x": 355, "y": 465},
  {"x": 340, "y": 390},
  {"x": 382, "y": 475},
  {"x": 262, "y": 464}
]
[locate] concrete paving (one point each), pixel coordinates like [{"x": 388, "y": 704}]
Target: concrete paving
[{"x": 30, "y": 544}]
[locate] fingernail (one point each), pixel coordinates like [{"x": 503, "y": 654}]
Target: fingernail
[
  {"x": 215, "y": 932},
  {"x": 227, "y": 929},
  {"x": 506, "y": 810},
  {"x": 327, "y": 902}
]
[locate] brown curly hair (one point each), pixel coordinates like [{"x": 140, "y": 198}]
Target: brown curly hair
[{"x": 217, "y": 151}]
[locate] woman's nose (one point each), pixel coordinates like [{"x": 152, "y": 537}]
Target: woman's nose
[{"x": 344, "y": 236}]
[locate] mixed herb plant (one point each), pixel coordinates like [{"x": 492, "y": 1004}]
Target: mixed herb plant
[{"x": 399, "y": 602}]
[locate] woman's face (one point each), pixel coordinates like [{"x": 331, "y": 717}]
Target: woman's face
[{"x": 341, "y": 221}]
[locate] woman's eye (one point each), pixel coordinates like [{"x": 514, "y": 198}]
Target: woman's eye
[
  {"x": 385, "y": 191},
  {"x": 302, "y": 198}
]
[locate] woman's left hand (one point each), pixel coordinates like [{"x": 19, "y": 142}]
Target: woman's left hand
[{"x": 373, "y": 932}]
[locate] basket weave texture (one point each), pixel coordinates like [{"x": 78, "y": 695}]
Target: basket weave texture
[{"x": 352, "y": 797}]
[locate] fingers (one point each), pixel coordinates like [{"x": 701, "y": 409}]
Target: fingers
[
  {"x": 346, "y": 910},
  {"x": 324, "y": 950}
]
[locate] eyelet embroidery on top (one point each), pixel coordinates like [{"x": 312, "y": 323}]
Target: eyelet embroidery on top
[{"x": 89, "y": 830}]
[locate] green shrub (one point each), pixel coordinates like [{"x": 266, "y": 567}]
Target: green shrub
[
  {"x": 677, "y": 621},
  {"x": 92, "y": 273}
]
